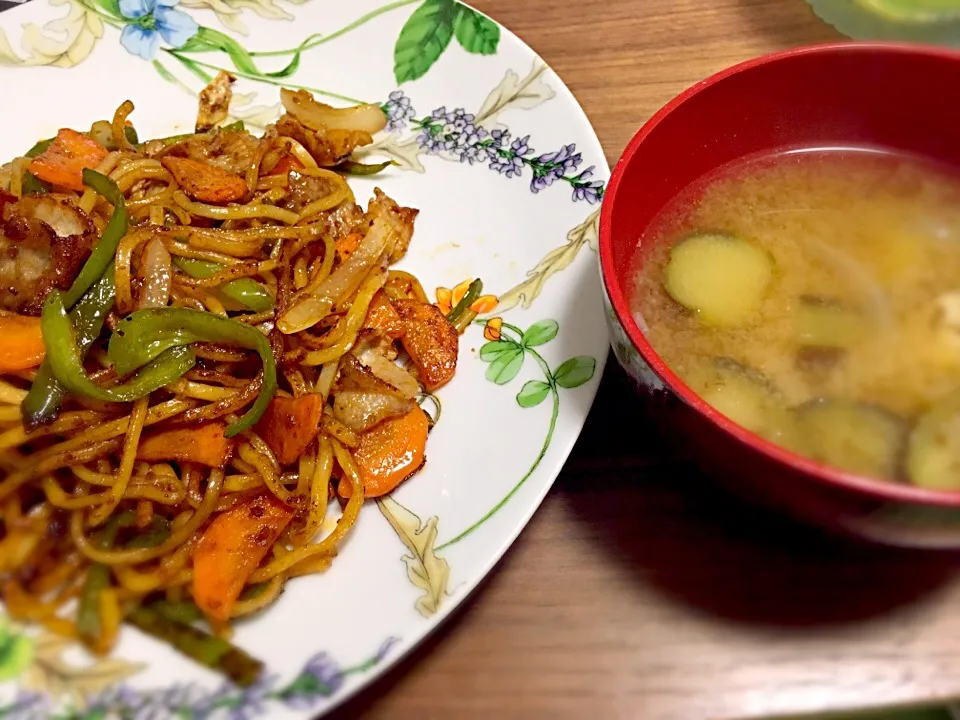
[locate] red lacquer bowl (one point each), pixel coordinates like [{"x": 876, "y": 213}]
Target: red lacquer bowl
[{"x": 891, "y": 96}]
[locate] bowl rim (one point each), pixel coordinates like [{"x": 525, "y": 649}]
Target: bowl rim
[{"x": 877, "y": 489}]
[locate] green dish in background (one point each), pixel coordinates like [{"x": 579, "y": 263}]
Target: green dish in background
[{"x": 927, "y": 21}]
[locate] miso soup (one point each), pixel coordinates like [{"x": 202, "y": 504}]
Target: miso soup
[{"x": 814, "y": 298}]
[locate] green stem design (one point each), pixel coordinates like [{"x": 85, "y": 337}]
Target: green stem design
[
  {"x": 338, "y": 33},
  {"x": 548, "y": 374},
  {"x": 192, "y": 65},
  {"x": 106, "y": 17}
]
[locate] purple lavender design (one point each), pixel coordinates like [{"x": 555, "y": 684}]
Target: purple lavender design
[
  {"x": 457, "y": 134},
  {"x": 320, "y": 678}
]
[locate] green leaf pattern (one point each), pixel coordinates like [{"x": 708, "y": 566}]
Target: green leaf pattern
[
  {"x": 505, "y": 358},
  {"x": 429, "y": 30},
  {"x": 16, "y": 651},
  {"x": 506, "y": 366},
  {"x": 476, "y": 33},
  {"x": 533, "y": 393},
  {"x": 540, "y": 333},
  {"x": 575, "y": 372},
  {"x": 423, "y": 39}
]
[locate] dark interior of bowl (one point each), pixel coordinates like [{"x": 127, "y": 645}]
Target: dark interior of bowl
[{"x": 894, "y": 97}]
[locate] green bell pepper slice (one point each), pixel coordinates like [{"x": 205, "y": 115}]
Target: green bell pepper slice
[
  {"x": 244, "y": 291},
  {"x": 66, "y": 361},
  {"x": 143, "y": 336},
  {"x": 46, "y": 393},
  {"x": 103, "y": 254}
]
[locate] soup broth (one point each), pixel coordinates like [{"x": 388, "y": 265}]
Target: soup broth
[{"x": 814, "y": 298}]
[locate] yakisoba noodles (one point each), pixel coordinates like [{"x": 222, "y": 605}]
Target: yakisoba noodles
[{"x": 204, "y": 346}]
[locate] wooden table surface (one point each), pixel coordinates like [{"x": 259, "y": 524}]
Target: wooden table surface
[{"x": 638, "y": 591}]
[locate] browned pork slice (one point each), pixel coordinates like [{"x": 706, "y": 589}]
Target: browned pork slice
[{"x": 44, "y": 242}]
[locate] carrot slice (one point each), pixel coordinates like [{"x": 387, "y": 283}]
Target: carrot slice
[
  {"x": 204, "y": 182},
  {"x": 382, "y": 317},
  {"x": 204, "y": 445},
  {"x": 389, "y": 453},
  {"x": 430, "y": 340},
  {"x": 289, "y": 425},
  {"x": 22, "y": 345},
  {"x": 347, "y": 244},
  {"x": 285, "y": 165},
  {"x": 63, "y": 162},
  {"x": 231, "y": 549}
]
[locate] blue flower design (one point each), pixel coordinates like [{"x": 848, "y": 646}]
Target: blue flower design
[{"x": 154, "y": 20}]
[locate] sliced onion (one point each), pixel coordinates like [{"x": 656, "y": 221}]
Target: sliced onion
[
  {"x": 156, "y": 275},
  {"x": 102, "y": 132},
  {"x": 315, "y": 303},
  {"x": 318, "y": 116},
  {"x": 389, "y": 372}
]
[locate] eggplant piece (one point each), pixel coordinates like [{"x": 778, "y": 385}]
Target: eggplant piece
[
  {"x": 933, "y": 452},
  {"x": 818, "y": 362},
  {"x": 825, "y": 322},
  {"x": 856, "y": 437},
  {"x": 747, "y": 397},
  {"x": 721, "y": 278}
]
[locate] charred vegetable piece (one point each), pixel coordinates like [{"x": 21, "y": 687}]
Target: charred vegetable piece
[
  {"x": 290, "y": 424},
  {"x": 721, "y": 278},
  {"x": 383, "y": 318},
  {"x": 200, "y": 646},
  {"x": 933, "y": 453},
  {"x": 22, "y": 345},
  {"x": 856, "y": 437},
  {"x": 826, "y": 323},
  {"x": 206, "y": 445},
  {"x": 349, "y": 167},
  {"x": 205, "y": 182},
  {"x": 231, "y": 548},
  {"x": 390, "y": 453},
  {"x": 285, "y": 164},
  {"x": 63, "y": 161},
  {"x": 430, "y": 340},
  {"x": 746, "y": 396}
]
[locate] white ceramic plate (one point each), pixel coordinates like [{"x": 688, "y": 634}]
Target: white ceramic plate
[{"x": 507, "y": 173}]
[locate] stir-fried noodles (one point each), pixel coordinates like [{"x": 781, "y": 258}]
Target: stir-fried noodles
[{"x": 203, "y": 345}]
